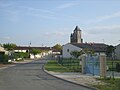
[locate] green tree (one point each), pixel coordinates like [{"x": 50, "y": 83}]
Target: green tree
[
  {"x": 89, "y": 52},
  {"x": 117, "y": 67},
  {"x": 9, "y": 46},
  {"x": 57, "y": 47},
  {"x": 20, "y": 55},
  {"x": 35, "y": 51},
  {"x": 4, "y": 59},
  {"x": 110, "y": 50},
  {"x": 76, "y": 54}
]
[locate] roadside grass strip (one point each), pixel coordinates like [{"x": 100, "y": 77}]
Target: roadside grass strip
[
  {"x": 52, "y": 65},
  {"x": 110, "y": 84}
]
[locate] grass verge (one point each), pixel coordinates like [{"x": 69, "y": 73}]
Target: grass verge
[
  {"x": 110, "y": 84},
  {"x": 52, "y": 65}
]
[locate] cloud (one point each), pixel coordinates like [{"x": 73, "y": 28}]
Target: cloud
[
  {"x": 110, "y": 29},
  {"x": 13, "y": 13},
  {"x": 106, "y": 27},
  {"x": 36, "y": 9},
  {"x": 108, "y": 34},
  {"x": 103, "y": 18},
  {"x": 5, "y": 38},
  {"x": 43, "y": 16},
  {"x": 4, "y": 5},
  {"x": 59, "y": 34},
  {"x": 67, "y": 5},
  {"x": 42, "y": 13}
]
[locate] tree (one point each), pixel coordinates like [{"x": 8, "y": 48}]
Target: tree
[
  {"x": 57, "y": 47},
  {"x": 9, "y": 46},
  {"x": 20, "y": 55},
  {"x": 117, "y": 67},
  {"x": 89, "y": 52},
  {"x": 76, "y": 54},
  {"x": 110, "y": 50},
  {"x": 35, "y": 51}
]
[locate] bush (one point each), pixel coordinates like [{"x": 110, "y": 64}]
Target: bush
[
  {"x": 4, "y": 59},
  {"x": 117, "y": 67},
  {"x": 21, "y": 55}
]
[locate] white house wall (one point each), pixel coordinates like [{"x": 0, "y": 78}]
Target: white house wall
[
  {"x": 20, "y": 51},
  {"x": 67, "y": 48},
  {"x": 2, "y": 49}
]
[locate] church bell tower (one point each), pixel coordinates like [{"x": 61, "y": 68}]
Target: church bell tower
[{"x": 76, "y": 36}]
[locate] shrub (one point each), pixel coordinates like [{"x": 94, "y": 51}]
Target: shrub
[
  {"x": 117, "y": 67},
  {"x": 4, "y": 59}
]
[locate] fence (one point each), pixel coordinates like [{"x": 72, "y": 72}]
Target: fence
[
  {"x": 113, "y": 68},
  {"x": 72, "y": 64}
]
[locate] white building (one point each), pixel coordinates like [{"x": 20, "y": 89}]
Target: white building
[
  {"x": 98, "y": 48},
  {"x": 45, "y": 51},
  {"x": 76, "y": 44},
  {"x": 117, "y": 51},
  {"x": 3, "y": 50},
  {"x": 67, "y": 48}
]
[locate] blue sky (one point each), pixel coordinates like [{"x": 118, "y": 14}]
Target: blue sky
[{"x": 47, "y": 22}]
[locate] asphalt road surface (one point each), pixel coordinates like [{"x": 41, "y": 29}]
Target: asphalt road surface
[{"x": 30, "y": 76}]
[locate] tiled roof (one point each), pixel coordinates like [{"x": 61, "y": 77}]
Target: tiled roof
[
  {"x": 27, "y": 48},
  {"x": 77, "y": 28},
  {"x": 97, "y": 47}
]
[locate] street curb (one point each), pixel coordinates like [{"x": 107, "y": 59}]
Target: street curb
[{"x": 43, "y": 68}]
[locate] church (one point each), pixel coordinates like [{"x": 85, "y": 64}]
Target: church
[
  {"x": 76, "y": 44},
  {"x": 76, "y": 36}
]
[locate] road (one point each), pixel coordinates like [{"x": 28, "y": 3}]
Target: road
[{"x": 30, "y": 76}]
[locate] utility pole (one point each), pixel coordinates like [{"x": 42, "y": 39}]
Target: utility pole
[
  {"x": 29, "y": 48},
  {"x": 113, "y": 58}
]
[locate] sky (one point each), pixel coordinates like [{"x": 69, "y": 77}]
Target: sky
[{"x": 50, "y": 22}]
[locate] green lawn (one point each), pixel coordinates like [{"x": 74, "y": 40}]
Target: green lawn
[
  {"x": 109, "y": 64},
  {"x": 52, "y": 65},
  {"x": 110, "y": 84},
  {"x": 72, "y": 64}
]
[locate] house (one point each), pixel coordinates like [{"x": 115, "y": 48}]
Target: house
[
  {"x": 67, "y": 48},
  {"x": 98, "y": 48},
  {"x": 26, "y": 49},
  {"x": 117, "y": 52},
  {"x": 76, "y": 44},
  {"x": 56, "y": 52},
  {"x": 3, "y": 51},
  {"x": 45, "y": 50}
]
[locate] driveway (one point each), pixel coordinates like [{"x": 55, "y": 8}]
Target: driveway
[{"x": 30, "y": 76}]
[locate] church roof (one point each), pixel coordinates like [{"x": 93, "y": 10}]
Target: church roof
[
  {"x": 77, "y": 28},
  {"x": 97, "y": 47}
]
